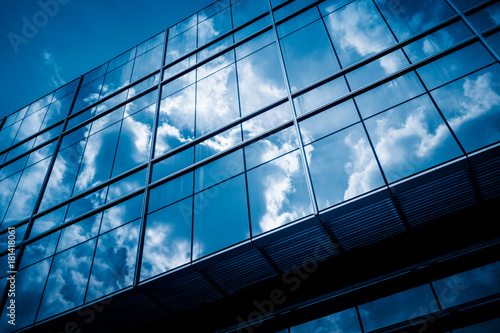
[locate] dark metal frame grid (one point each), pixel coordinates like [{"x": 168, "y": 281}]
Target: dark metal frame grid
[{"x": 477, "y": 36}]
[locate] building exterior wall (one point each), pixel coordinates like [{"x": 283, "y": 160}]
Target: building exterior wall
[{"x": 249, "y": 128}]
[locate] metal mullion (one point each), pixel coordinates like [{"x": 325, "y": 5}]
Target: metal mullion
[
  {"x": 149, "y": 171},
  {"x": 305, "y": 165},
  {"x": 2, "y": 122},
  {"x": 41, "y": 191},
  {"x": 474, "y": 30}
]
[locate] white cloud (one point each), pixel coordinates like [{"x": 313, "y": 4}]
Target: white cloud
[{"x": 55, "y": 76}]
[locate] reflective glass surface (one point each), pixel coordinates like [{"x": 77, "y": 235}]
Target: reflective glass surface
[{"x": 340, "y": 322}]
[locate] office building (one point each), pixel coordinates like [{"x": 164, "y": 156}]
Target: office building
[{"x": 265, "y": 166}]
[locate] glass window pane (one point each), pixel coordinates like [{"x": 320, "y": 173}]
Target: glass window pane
[
  {"x": 215, "y": 65},
  {"x": 466, "y": 4},
  {"x": 147, "y": 63},
  {"x": 48, "y": 221},
  {"x": 358, "y": 31},
  {"x": 340, "y": 322},
  {"x": 278, "y": 193},
  {"x": 377, "y": 69},
  {"x": 134, "y": 143},
  {"x": 214, "y": 27},
  {"x": 218, "y": 170},
  {"x": 397, "y": 308},
  {"x": 216, "y": 100},
  {"x": 86, "y": 204},
  {"x": 410, "y": 138},
  {"x": 494, "y": 42},
  {"x": 214, "y": 48},
  {"x": 181, "y": 44},
  {"x": 486, "y": 18},
  {"x": 271, "y": 147},
  {"x": 40, "y": 249},
  {"x": 308, "y": 55},
  {"x": 342, "y": 166},
  {"x": 79, "y": 232},
  {"x": 260, "y": 79},
  {"x": 468, "y": 286},
  {"x": 122, "y": 59},
  {"x": 182, "y": 26},
  {"x": 151, "y": 43},
  {"x": 218, "y": 143},
  {"x": 329, "y": 6},
  {"x": 220, "y": 217},
  {"x": 126, "y": 185},
  {"x": 26, "y": 193},
  {"x": 29, "y": 288},
  {"x": 97, "y": 159},
  {"x": 63, "y": 175},
  {"x": 267, "y": 120},
  {"x": 471, "y": 106},
  {"x": 176, "y": 122},
  {"x": 88, "y": 94},
  {"x": 94, "y": 74},
  {"x": 328, "y": 121},
  {"x": 408, "y": 18},
  {"x": 297, "y": 22},
  {"x": 490, "y": 326},
  {"x": 67, "y": 281},
  {"x": 122, "y": 213},
  {"x": 117, "y": 78},
  {"x": 252, "y": 28},
  {"x": 42, "y": 102},
  {"x": 454, "y": 65},
  {"x": 167, "y": 242},
  {"x": 173, "y": 164},
  {"x": 30, "y": 125},
  {"x": 179, "y": 67},
  {"x": 255, "y": 44},
  {"x": 114, "y": 261},
  {"x": 437, "y": 41},
  {"x": 173, "y": 190},
  {"x": 245, "y": 10},
  {"x": 57, "y": 111},
  {"x": 389, "y": 94}
]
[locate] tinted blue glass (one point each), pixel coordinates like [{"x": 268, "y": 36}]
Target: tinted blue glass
[
  {"x": 358, "y": 31},
  {"x": 400, "y": 307},
  {"x": 114, "y": 261},
  {"x": 94, "y": 74},
  {"x": 245, "y": 10},
  {"x": 317, "y": 97},
  {"x": 182, "y": 26},
  {"x": 147, "y": 101},
  {"x": 252, "y": 28},
  {"x": 254, "y": 44},
  {"x": 88, "y": 94},
  {"x": 465, "y": 4},
  {"x": 167, "y": 243},
  {"x": 57, "y": 111},
  {"x": 260, "y": 79},
  {"x": 410, "y": 138},
  {"x": 340, "y": 322},
  {"x": 218, "y": 170},
  {"x": 86, "y": 204},
  {"x": 151, "y": 43},
  {"x": 454, "y": 65},
  {"x": 147, "y": 63},
  {"x": 29, "y": 288},
  {"x": 63, "y": 175},
  {"x": 329, "y": 6},
  {"x": 214, "y": 26},
  {"x": 389, "y": 94},
  {"x": 214, "y": 65},
  {"x": 79, "y": 232},
  {"x": 106, "y": 120},
  {"x": 134, "y": 144},
  {"x": 437, "y": 41},
  {"x": 39, "y": 104},
  {"x": 67, "y": 280},
  {"x": 267, "y": 120},
  {"x": 290, "y": 8},
  {"x": 278, "y": 193},
  {"x": 328, "y": 121},
  {"x": 175, "y": 189},
  {"x": 407, "y": 17},
  {"x": 117, "y": 78},
  {"x": 19, "y": 232},
  {"x": 8, "y": 186},
  {"x": 126, "y": 185},
  {"x": 176, "y": 122},
  {"x": 220, "y": 217},
  {"x": 26, "y": 193},
  {"x": 471, "y": 106},
  {"x": 181, "y": 44},
  {"x": 8, "y": 134},
  {"x": 271, "y": 147},
  {"x": 30, "y": 125},
  {"x": 218, "y": 143},
  {"x": 468, "y": 286},
  {"x": 214, "y": 48},
  {"x": 39, "y": 249},
  {"x": 494, "y": 42},
  {"x": 298, "y": 22},
  {"x": 173, "y": 164},
  {"x": 377, "y": 69},
  {"x": 342, "y": 166},
  {"x": 122, "y": 59},
  {"x": 122, "y": 213},
  {"x": 216, "y": 100},
  {"x": 48, "y": 221},
  {"x": 486, "y": 18},
  {"x": 98, "y": 158},
  {"x": 308, "y": 55}
]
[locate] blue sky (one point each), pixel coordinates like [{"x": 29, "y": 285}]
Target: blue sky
[{"x": 41, "y": 49}]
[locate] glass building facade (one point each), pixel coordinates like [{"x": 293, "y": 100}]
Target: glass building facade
[{"x": 249, "y": 147}]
